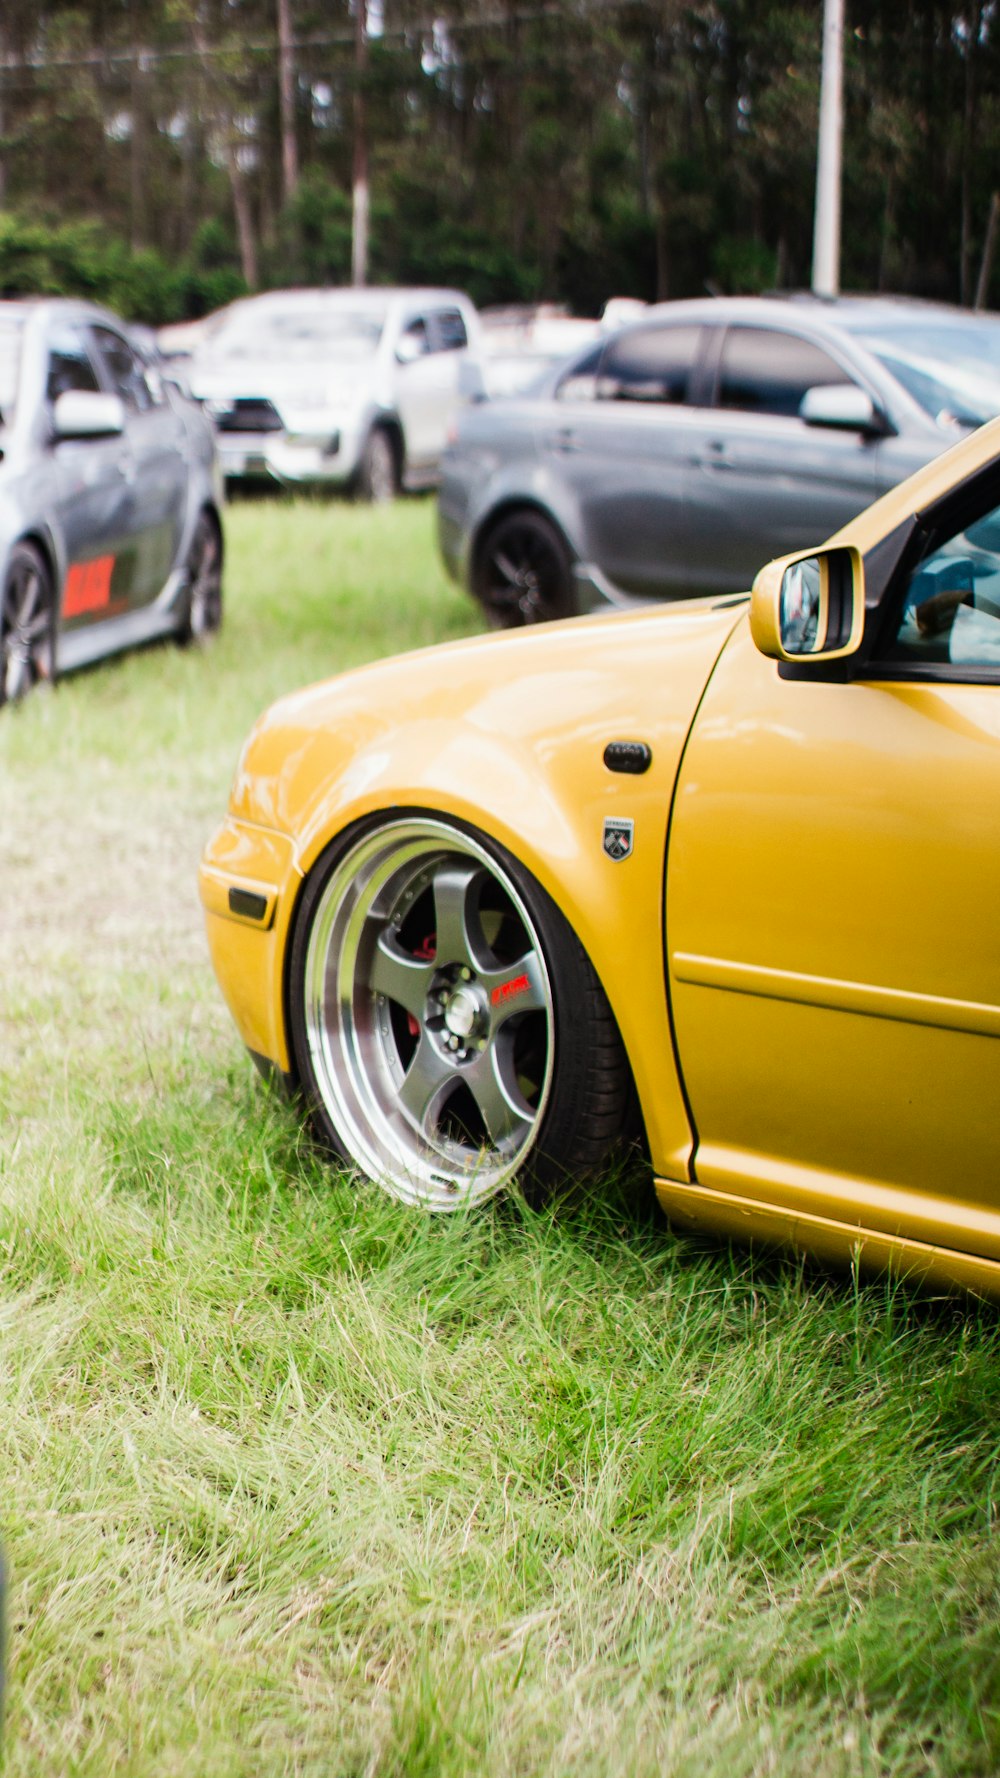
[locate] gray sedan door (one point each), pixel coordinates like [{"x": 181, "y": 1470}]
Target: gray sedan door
[
  {"x": 91, "y": 481},
  {"x": 621, "y": 443},
  {"x": 764, "y": 482}
]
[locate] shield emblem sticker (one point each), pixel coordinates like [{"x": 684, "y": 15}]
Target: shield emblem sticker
[{"x": 618, "y": 831}]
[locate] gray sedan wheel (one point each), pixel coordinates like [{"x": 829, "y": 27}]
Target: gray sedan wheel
[
  {"x": 448, "y": 1029},
  {"x": 523, "y": 573},
  {"x": 27, "y": 624}
]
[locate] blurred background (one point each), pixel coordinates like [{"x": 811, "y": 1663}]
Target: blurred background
[{"x": 169, "y": 155}]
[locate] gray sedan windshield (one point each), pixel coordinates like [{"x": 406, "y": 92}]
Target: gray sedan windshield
[
  {"x": 11, "y": 329},
  {"x": 952, "y": 371}
]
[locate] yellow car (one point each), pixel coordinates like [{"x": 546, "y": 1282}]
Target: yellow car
[{"x": 733, "y": 867}]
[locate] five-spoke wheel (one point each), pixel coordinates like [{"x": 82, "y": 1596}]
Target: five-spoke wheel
[
  {"x": 27, "y": 624},
  {"x": 426, "y": 970}
]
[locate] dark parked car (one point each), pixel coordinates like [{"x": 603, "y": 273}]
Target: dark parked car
[
  {"x": 110, "y": 497},
  {"x": 673, "y": 457}
]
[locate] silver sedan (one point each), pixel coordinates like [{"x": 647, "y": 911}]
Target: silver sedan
[
  {"x": 110, "y": 496},
  {"x": 675, "y": 456}
]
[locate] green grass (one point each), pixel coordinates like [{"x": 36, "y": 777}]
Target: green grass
[{"x": 298, "y": 1482}]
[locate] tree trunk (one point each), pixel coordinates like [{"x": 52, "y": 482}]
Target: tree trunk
[
  {"x": 244, "y": 219},
  {"x": 662, "y": 250},
  {"x": 286, "y": 96},
  {"x": 137, "y": 147},
  {"x": 359, "y": 224},
  {"x": 888, "y": 230},
  {"x": 989, "y": 249},
  {"x": 3, "y": 115},
  {"x": 969, "y": 120}
]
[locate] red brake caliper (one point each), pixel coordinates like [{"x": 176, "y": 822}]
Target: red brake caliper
[{"x": 425, "y": 952}]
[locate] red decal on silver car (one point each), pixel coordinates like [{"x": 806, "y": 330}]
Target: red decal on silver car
[{"x": 88, "y": 586}]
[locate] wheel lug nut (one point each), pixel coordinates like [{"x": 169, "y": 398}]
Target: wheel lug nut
[{"x": 466, "y": 974}]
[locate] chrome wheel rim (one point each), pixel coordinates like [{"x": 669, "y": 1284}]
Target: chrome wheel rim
[
  {"x": 25, "y": 632},
  {"x": 428, "y": 1014}
]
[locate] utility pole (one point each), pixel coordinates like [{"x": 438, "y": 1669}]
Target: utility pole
[
  {"x": 826, "y": 238},
  {"x": 359, "y": 223}
]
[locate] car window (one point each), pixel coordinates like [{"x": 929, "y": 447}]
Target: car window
[
  {"x": 416, "y": 336},
  {"x": 449, "y": 331},
  {"x": 11, "y": 332},
  {"x": 950, "y": 611},
  {"x": 126, "y": 370},
  {"x": 764, "y": 371},
  {"x": 70, "y": 363},
  {"x": 649, "y": 364},
  {"x": 579, "y": 382}
]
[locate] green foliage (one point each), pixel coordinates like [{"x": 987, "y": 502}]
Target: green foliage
[
  {"x": 314, "y": 239},
  {"x": 423, "y": 234},
  {"x": 82, "y": 259},
  {"x": 742, "y": 266}
]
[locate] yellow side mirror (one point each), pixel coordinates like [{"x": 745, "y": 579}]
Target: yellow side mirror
[{"x": 809, "y": 607}]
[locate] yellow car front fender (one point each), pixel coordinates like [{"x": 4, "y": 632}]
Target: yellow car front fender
[{"x": 508, "y": 735}]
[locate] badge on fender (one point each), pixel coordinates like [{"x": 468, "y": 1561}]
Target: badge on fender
[{"x": 618, "y": 831}]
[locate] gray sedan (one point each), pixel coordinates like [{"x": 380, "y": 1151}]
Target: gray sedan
[
  {"x": 676, "y": 456},
  {"x": 110, "y": 497}
]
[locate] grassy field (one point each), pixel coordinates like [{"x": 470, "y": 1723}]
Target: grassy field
[{"x": 297, "y": 1482}]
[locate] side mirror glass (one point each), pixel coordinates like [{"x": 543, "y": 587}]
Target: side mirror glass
[
  {"x": 809, "y": 607},
  {"x": 85, "y": 413},
  {"x": 412, "y": 345},
  {"x": 841, "y": 405}
]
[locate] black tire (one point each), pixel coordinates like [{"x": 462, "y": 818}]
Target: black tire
[
  {"x": 523, "y": 572},
  {"x": 203, "y": 595},
  {"x": 377, "y": 479},
  {"x": 27, "y": 624},
  {"x": 448, "y": 1030}
]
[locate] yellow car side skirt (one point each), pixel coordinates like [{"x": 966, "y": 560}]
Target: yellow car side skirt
[{"x": 743, "y": 1219}]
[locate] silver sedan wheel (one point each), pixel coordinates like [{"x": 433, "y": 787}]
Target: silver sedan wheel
[
  {"x": 26, "y": 650},
  {"x": 427, "y": 1014},
  {"x": 203, "y": 603}
]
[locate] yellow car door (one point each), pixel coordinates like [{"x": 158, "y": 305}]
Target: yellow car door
[{"x": 833, "y": 915}]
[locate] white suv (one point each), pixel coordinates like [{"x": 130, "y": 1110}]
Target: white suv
[{"x": 351, "y": 388}]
